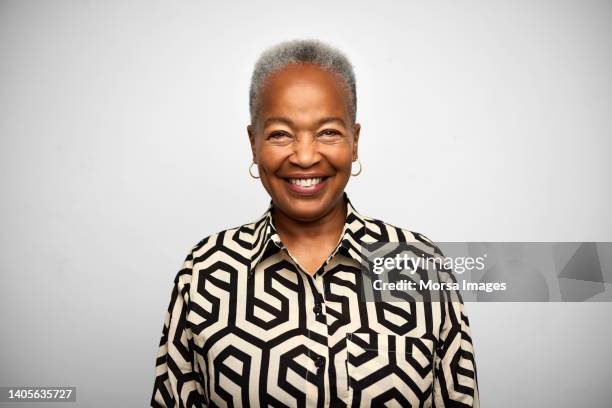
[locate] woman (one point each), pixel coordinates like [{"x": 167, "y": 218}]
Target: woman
[{"x": 268, "y": 313}]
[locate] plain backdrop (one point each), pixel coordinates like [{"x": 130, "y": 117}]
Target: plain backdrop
[{"x": 123, "y": 143}]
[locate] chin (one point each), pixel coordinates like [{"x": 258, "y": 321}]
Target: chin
[{"x": 306, "y": 208}]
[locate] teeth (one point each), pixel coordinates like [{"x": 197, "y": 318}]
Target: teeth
[{"x": 309, "y": 182}]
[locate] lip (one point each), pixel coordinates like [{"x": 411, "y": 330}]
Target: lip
[
  {"x": 306, "y": 191},
  {"x": 305, "y": 175}
]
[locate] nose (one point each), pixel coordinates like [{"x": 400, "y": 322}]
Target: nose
[{"x": 305, "y": 152}]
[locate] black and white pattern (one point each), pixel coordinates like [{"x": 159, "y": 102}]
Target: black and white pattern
[{"x": 246, "y": 326}]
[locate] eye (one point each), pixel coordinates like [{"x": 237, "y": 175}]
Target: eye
[
  {"x": 330, "y": 133},
  {"x": 277, "y": 134},
  {"x": 279, "y": 137}
]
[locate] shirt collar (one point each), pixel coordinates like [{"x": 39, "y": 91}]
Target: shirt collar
[{"x": 266, "y": 240}]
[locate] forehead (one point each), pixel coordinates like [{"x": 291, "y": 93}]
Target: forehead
[{"x": 305, "y": 90}]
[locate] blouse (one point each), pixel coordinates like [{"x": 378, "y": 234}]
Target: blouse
[{"x": 247, "y": 326}]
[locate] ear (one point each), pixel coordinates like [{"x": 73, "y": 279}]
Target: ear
[
  {"x": 356, "y": 130},
  {"x": 251, "y": 132}
]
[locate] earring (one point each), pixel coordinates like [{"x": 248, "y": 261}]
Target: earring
[
  {"x": 251, "y": 171},
  {"x": 358, "y": 172}
]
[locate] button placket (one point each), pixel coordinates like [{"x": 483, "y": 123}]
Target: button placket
[
  {"x": 316, "y": 355},
  {"x": 318, "y": 308},
  {"x": 320, "y": 312}
]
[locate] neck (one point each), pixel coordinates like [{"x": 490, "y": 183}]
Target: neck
[{"x": 329, "y": 224}]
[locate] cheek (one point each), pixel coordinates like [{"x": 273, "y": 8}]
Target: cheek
[
  {"x": 340, "y": 158},
  {"x": 270, "y": 160}
]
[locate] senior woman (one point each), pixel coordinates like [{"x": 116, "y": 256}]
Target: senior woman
[{"x": 269, "y": 313}]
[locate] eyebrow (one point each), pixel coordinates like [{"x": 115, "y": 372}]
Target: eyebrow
[{"x": 288, "y": 121}]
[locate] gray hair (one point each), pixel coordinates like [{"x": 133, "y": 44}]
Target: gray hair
[{"x": 302, "y": 51}]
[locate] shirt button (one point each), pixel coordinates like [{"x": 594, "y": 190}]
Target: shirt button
[
  {"x": 319, "y": 361},
  {"x": 317, "y": 309}
]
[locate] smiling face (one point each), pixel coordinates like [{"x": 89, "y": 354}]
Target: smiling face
[{"x": 304, "y": 141}]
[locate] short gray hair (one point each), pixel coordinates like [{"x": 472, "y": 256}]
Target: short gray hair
[{"x": 301, "y": 51}]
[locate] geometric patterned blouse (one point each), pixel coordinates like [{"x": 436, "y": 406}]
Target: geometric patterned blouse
[{"x": 246, "y": 326}]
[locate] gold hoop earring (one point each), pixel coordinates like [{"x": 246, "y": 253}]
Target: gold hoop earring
[
  {"x": 251, "y": 171},
  {"x": 360, "y": 167}
]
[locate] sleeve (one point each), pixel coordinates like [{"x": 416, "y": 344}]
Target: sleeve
[
  {"x": 455, "y": 382},
  {"x": 178, "y": 381}
]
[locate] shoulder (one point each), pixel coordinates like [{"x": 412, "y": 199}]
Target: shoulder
[
  {"x": 381, "y": 231},
  {"x": 235, "y": 242}
]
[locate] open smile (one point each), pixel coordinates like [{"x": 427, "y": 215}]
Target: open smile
[{"x": 306, "y": 186}]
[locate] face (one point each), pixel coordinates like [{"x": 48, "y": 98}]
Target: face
[{"x": 304, "y": 141}]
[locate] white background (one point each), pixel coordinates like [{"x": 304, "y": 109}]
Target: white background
[{"x": 123, "y": 143}]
